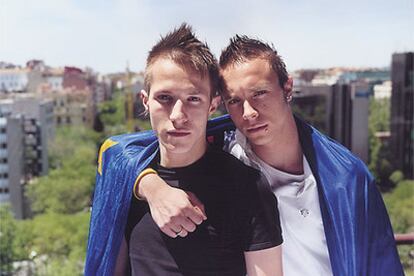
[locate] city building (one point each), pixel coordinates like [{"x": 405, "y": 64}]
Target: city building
[
  {"x": 26, "y": 127},
  {"x": 12, "y": 164},
  {"x": 313, "y": 103},
  {"x": 402, "y": 112},
  {"x": 341, "y": 111},
  {"x": 14, "y": 79},
  {"x": 103, "y": 89},
  {"x": 39, "y": 128},
  {"x": 53, "y": 79},
  {"x": 75, "y": 94},
  {"x": 349, "y": 118},
  {"x": 382, "y": 90}
]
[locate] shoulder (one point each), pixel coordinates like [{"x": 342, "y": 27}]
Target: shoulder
[
  {"x": 342, "y": 156},
  {"x": 340, "y": 175},
  {"x": 227, "y": 163},
  {"x": 128, "y": 143},
  {"x": 126, "y": 148},
  {"x": 232, "y": 175},
  {"x": 330, "y": 154},
  {"x": 142, "y": 138}
]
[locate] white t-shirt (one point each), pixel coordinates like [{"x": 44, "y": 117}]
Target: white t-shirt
[{"x": 304, "y": 248}]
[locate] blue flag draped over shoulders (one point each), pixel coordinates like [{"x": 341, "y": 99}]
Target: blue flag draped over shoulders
[
  {"x": 121, "y": 159},
  {"x": 357, "y": 228}
]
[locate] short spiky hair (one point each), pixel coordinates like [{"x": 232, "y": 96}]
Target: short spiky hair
[
  {"x": 182, "y": 47},
  {"x": 243, "y": 48}
]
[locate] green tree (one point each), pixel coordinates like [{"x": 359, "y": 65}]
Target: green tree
[
  {"x": 400, "y": 206},
  {"x": 68, "y": 139},
  {"x": 55, "y": 243},
  {"x": 379, "y": 121},
  {"x": 113, "y": 115},
  {"x": 23, "y": 240},
  {"x": 7, "y": 230},
  {"x": 68, "y": 189}
]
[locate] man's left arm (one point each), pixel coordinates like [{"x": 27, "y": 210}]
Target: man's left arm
[{"x": 382, "y": 252}]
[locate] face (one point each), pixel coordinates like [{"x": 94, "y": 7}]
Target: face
[
  {"x": 179, "y": 105},
  {"x": 255, "y": 101}
]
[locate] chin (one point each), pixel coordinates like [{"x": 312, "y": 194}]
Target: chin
[
  {"x": 259, "y": 140},
  {"x": 179, "y": 147}
]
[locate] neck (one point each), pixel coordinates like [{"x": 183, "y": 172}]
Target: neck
[
  {"x": 171, "y": 159},
  {"x": 285, "y": 152}
]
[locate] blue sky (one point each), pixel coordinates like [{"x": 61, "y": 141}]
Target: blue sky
[{"x": 105, "y": 35}]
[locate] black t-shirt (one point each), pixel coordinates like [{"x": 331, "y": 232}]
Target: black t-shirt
[{"x": 242, "y": 216}]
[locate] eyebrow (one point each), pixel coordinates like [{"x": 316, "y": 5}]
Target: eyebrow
[
  {"x": 195, "y": 92},
  {"x": 170, "y": 90},
  {"x": 162, "y": 91},
  {"x": 227, "y": 95},
  {"x": 259, "y": 88}
]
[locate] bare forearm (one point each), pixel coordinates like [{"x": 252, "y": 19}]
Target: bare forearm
[
  {"x": 148, "y": 186},
  {"x": 266, "y": 262},
  {"x": 175, "y": 211}
]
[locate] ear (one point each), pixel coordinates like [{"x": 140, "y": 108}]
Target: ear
[
  {"x": 215, "y": 102},
  {"x": 144, "y": 98},
  {"x": 288, "y": 89}
]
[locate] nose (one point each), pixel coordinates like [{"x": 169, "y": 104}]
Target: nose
[
  {"x": 178, "y": 115},
  {"x": 249, "y": 112}
]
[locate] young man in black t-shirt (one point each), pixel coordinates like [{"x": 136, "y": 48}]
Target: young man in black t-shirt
[{"x": 242, "y": 233}]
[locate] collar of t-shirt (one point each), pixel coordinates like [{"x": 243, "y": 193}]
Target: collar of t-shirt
[
  {"x": 172, "y": 175},
  {"x": 283, "y": 182}
]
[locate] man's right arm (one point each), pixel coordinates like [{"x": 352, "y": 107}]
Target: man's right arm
[
  {"x": 173, "y": 210},
  {"x": 264, "y": 262}
]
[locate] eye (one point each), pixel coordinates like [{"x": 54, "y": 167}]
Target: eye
[
  {"x": 259, "y": 93},
  {"x": 164, "y": 98},
  {"x": 194, "y": 99},
  {"x": 233, "y": 101}
]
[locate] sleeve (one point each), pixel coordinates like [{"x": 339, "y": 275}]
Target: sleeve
[
  {"x": 382, "y": 256},
  {"x": 264, "y": 229}
]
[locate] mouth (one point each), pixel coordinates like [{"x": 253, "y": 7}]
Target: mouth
[
  {"x": 256, "y": 128},
  {"x": 178, "y": 133}
]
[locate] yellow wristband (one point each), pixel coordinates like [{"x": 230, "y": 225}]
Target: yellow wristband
[{"x": 140, "y": 176}]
